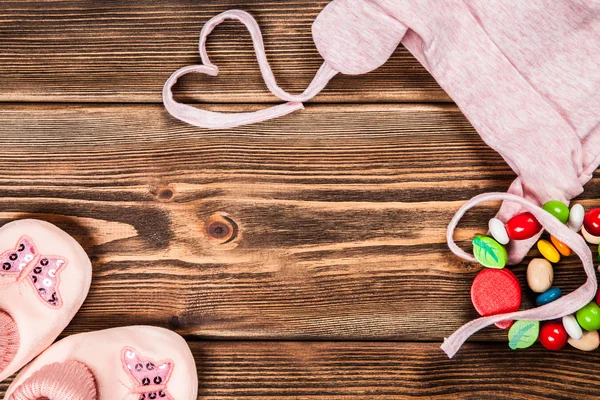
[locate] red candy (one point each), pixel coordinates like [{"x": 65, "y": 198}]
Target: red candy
[
  {"x": 591, "y": 222},
  {"x": 553, "y": 336},
  {"x": 523, "y": 226},
  {"x": 496, "y": 291}
]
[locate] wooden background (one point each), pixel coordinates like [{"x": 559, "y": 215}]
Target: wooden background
[{"x": 303, "y": 257}]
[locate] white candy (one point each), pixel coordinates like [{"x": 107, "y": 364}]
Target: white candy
[
  {"x": 589, "y": 238},
  {"x": 572, "y": 327},
  {"x": 498, "y": 231},
  {"x": 576, "y": 217}
]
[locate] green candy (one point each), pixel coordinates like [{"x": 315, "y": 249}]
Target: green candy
[
  {"x": 589, "y": 317},
  {"x": 488, "y": 252},
  {"x": 523, "y": 334},
  {"x": 558, "y": 209}
]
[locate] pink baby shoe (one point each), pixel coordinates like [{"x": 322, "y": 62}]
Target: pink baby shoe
[
  {"x": 130, "y": 363},
  {"x": 45, "y": 276}
]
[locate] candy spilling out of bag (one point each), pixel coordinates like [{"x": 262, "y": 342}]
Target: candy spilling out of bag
[{"x": 496, "y": 290}]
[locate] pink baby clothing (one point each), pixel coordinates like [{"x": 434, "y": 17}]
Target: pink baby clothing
[
  {"x": 525, "y": 73},
  {"x": 45, "y": 276},
  {"x": 126, "y": 363}
]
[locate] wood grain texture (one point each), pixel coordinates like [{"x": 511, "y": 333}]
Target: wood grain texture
[
  {"x": 309, "y": 370},
  {"x": 90, "y": 51},
  {"x": 339, "y": 222},
  {"x": 321, "y": 234}
]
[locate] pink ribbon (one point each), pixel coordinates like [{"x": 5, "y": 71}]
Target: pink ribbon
[{"x": 217, "y": 120}]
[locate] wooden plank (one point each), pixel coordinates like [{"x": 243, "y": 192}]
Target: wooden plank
[
  {"x": 339, "y": 222},
  {"x": 78, "y": 51},
  {"x": 310, "y": 370}
]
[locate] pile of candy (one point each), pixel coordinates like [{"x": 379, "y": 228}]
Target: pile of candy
[{"x": 496, "y": 289}]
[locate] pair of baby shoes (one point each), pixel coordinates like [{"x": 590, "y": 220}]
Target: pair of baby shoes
[{"x": 45, "y": 276}]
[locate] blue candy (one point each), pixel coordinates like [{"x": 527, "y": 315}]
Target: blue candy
[{"x": 548, "y": 296}]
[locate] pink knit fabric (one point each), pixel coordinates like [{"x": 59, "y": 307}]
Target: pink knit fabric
[
  {"x": 525, "y": 74},
  {"x": 70, "y": 380},
  {"x": 9, "y": 339}
]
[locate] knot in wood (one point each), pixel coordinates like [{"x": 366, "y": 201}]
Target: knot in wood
[
  {"x": 221, "y": 228},
  {"x": 165, "y": 193}
]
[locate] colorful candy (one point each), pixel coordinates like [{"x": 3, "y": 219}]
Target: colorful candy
[
  {"x": 548, "y": 296},
  {"x": 539, "y": 275},
  {"x": 553, "y": 336},
  {"x": 498, "y": 231},
  {"x": 591, "y": 239},
  {"x": 572, "y": 327},
  {"x": 591, "y": 222},
  {"x": 589, "y": 341},
  {"x": 496, "y": 291},
  {"x": 558, "y": 209},
  {"x": 523, "y": 226},
  {"x": 562, "y": 248},
  {"x": 576, "y": 216},
  {"x": 488, "y": 252},
  {"x": 548, "y": 251},
  {"x": 589, "y": 317},
  {"x": 523, "y": 334}
]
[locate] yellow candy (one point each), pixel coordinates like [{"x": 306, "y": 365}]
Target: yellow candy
[
  {"x": 560, "y": 246},
  {"x": 548, "y": 251}
]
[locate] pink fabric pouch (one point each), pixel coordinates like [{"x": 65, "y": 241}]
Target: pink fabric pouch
[{"x": 525, "y": 74}]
